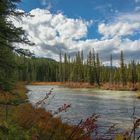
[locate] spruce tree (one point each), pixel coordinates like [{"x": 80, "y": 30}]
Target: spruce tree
[
  {"x": 9, "y": 34},
  {"x": 134, "y": 76},
  {"x": 60, "y": 67},
  {"x": 111, "y": 71},
  {"x": 98, "y": 69},
  {"x": 90, "y": 68},
  {"x": 122, "y": 70}
]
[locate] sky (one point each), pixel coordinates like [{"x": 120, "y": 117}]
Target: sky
[{"x": 108, "y": 26}]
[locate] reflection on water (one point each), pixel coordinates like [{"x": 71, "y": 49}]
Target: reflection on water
[{"x": 112, "y": 106}]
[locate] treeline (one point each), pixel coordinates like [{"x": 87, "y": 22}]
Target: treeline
[
  {"x": 78, "y": 69},
  {"x": 36, "y": 69}
]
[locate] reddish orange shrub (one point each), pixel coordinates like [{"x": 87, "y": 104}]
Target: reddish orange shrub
[{"x": 43, "y": 125}]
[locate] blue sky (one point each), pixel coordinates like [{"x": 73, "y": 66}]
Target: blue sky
[
  {"x": 99, "y": 10},
  {"x": 86, "y": 9},
  {"x": 103, "y": 22}
]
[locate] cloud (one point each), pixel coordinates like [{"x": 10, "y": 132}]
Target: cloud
[
  {"x": 128, "y": 17},
  {"x": 118, "y": 29},
  {"x": 44, "y": 2},
  {"x": 47, "y": 4},
  {"x": 137, "y": 1},
  {"x": 137, "y": 8},
  {"x": 123, "y": 25},
  {"x": 53, "y": 33}
]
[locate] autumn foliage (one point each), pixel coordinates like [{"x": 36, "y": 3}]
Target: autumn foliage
[{"x": 42, "y": 125}]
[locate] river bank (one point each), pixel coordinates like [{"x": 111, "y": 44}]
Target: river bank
[
  {"x": 103, "y": 86},
  {"x": 20, "y": 120}
]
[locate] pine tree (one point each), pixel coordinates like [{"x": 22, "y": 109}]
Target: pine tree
[
  {"x": 111, "y": 71},
  {"x": 90, "y": 68},
  {"x": 98, "y": 69},
  {"x": 60, "y": 67},
  {"x": 9, "y": 34},
  {"x": 122, "y": 70},
  {"x": 134, "y": 76},
  {"x": 65, "y": 68}
]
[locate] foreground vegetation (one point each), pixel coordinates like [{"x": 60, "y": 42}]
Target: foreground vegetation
[{"x": 20, "y": 121}]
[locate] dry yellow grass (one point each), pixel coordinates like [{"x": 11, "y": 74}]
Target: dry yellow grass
[
  {"x": 138, "y": 95},
  {"x": 47, "y": 83},
  {"x": 104, "y": 86}
]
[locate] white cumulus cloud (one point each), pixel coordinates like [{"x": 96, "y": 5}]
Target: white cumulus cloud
[
  {"x": 137, "y": 1},
  {"x": 119, "y": 28},
  {"x": 53, "y": 33}
]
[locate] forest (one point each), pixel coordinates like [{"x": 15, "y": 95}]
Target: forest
[{"x": 78, "y": 69}]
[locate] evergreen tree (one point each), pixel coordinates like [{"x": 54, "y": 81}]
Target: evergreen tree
[
  {"x": 122, "y": 70},
  {"x": 111, "y": 70},
  {"x": 90, "y": 68},
  {"x": 134, "y": 76},
  {"x": 98, "y": 69},
  {"x": 60, "y": 68},
  {"x": 9, "y": 34},
  {"x": 65, "y": 68}
]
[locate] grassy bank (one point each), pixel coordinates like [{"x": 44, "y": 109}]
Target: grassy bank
[
  {"x": 104, "y": 86},
  {"x": 47, "y": 83},
  {"x": 19, "y": 120}
]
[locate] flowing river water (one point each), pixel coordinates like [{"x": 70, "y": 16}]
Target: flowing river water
[{"x": 112, "y": 106}]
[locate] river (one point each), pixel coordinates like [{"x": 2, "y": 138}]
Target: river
[{"x": 112, "y": 106}]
